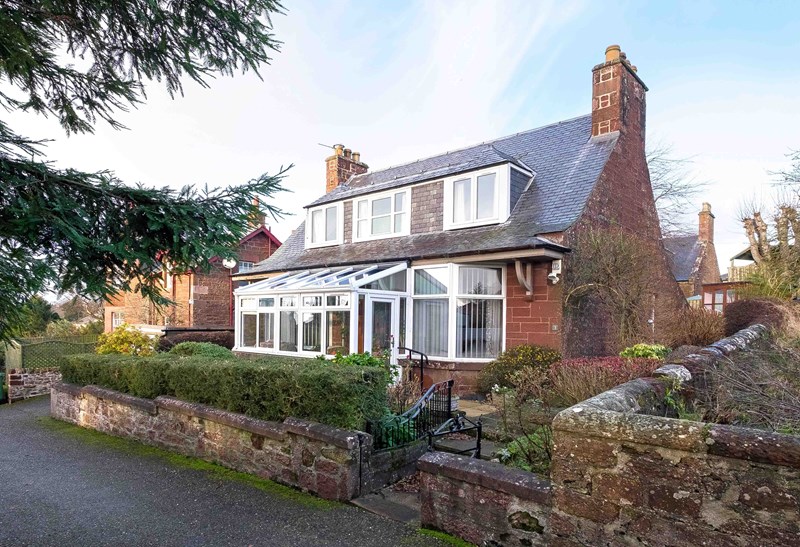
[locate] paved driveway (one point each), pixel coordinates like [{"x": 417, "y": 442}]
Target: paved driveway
[{"x": 62, "y": 486}]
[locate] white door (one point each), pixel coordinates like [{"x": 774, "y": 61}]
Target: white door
[{"x": 382, "y": 326}]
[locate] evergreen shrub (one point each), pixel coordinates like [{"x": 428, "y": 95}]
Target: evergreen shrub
[
  {"x": 272, "y": 388},
  {"x": 220, "y": 338},
  {"x": 126, "y": 340},
  {"x": 500, "y": 371},
  {"x": 201, "y": 348},
  {"x": 645, "y": 351}
]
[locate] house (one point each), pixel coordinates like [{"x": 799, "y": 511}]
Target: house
[
  {"x": 692, "y": 258},
  {"x": 460, "y": 255},
  {"x": 717, "y": 296},
  {"x": 202, "y": 299}
]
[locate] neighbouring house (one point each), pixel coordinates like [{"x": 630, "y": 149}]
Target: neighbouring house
[
  {"x": 460, "y": 255},
  {"x": 716, "y": 296},
  {"x": 202, "y": 299},
  {"x": 692, "y": 258}
]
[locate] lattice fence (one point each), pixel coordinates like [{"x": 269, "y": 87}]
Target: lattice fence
[{"x": 37, "y": 353}]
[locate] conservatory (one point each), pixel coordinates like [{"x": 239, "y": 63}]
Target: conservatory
[{"x": 371, "y": 308}]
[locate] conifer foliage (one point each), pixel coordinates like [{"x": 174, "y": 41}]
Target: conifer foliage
[{"x": 81, "y": 62}]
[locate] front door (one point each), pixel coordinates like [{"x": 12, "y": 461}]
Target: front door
[{"x": 382, "y": 323}]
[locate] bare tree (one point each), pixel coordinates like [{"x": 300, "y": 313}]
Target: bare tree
[
  {"x": 675, "y": 190},
  {"x": 791, "y": 176}
]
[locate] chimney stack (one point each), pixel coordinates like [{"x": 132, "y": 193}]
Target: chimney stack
[
  {"x": 706, "y": 226},
  {"x": 341, "y": 166},
  {"x": 618, "y": 95}
]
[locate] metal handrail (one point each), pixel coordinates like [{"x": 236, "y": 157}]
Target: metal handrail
[{"x": 423, "y": 362}]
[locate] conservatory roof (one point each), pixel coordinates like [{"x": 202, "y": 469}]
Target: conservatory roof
[{"x": 343, "y": 278}]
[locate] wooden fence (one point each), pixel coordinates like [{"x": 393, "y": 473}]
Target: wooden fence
[{"x": 43, "y": 352}]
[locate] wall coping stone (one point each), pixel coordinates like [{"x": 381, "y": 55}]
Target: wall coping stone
[
  {"x": 341, "y": 438},
  {"x": 636, "y": 428},
  {"x": 490, "y": 475},
  {"x": 754, "y": 445},
  {"x": 614, "y": 414},
  {"x": 271, "y": 430},
  {"x": 147, "y": 405},
  {"x": 72, "y": 389}
]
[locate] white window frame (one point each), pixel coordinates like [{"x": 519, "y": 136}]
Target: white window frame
[
  {"x": 339, "y": 239},
  {"x": 452, "y": 297},
  {"x": 245, "y": 266},
  {"x": 502, "y": 197},
  {"x": 298, "y": 308},
  {"x": 117, "y": 319},
  {"x": 405, "y": 229}
]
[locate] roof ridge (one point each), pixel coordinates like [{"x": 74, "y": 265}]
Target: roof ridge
[{"x": 487, "y": 142}]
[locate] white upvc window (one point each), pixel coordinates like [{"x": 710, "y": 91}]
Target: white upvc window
[
  {"x": 477, "y": 198},
  {"x": 305, "y": 324},
  {"x": 382, "y": 215},
  {"x": 459, "y": 311},
  {"x": 245, "y": 266},
  {"x": 324, "y": 225}
]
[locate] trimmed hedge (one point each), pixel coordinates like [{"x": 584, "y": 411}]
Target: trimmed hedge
[
  {"x": 220, "y": 338},
  {"x": 269, "y": 389},
  {"x": 201, "y": 348}
]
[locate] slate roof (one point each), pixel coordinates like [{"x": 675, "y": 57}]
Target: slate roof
[
  {"x": 567, "y": 163},
  {"x": 682, "y": 254}
]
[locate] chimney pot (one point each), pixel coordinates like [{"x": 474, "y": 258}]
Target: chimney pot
[
  {"x": 357, "y": 157},
  {"x": 339, "y": 148},
  {"x": 612, "y": 53},
  {"x": 347, "y": 152}
]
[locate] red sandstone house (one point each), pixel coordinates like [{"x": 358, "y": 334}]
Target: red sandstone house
[
  {"x": 693, "y": 258},
  {"x": 460, "y": 255},
  {"x": 203, "y": 299}
]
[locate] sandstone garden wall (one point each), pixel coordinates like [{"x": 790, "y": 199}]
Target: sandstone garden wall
[
  {"x": 623, "y": 474},
  {"x": 332, "y": 463},
  {"x": 26, "y": 383}
]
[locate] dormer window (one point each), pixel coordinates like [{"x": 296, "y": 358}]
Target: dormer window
[
  {"x": 381, "y": 215},
  {"x": 477, "y": 198},
  {"x": 324, "y": 226}
]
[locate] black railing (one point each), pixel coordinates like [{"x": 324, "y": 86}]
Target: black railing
[
  {"x": 421, "y": 362},
  {"x": 429, "y": 413}
]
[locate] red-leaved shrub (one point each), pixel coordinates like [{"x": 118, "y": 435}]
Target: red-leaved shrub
[{"x": 575, "y": 380}]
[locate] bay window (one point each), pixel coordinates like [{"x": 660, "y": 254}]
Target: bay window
[
  {"x": 381, "y": 215},
  {"x": 458, "y": 311}
]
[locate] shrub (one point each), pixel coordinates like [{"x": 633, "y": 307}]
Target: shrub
[
  {"x": 645, "y": 351},
  {"x": 693, "y": 327},
  {"x": 365, "y": 359},
  {"x": 500, "y": 371},
  {"x": 269, "y": 389},
  {"x": 125, "y": 340},
  {"x": 201, "y": 348},
  {"x": 529, "y": 452},
  {"x": 221, "y": 338},
  {"x": 772, "y": 313},
  {"x": 575, "y": 380}
]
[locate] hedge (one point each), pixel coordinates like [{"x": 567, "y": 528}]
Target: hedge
[
  {"x": 270, "y": 389},
  {"x": 220, "y": 338}
]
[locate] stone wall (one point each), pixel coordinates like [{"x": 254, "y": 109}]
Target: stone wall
[
  {"x": 323, "y": 460},
  {"x": 25, "y": 383},
  {"x": 485, "y": 503},
  {"x": 623, "y": 474}
]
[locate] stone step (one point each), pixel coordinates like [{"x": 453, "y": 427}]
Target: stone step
[
  {"x": 399, "y": 506},
  {"x": 457, "y": 445}
]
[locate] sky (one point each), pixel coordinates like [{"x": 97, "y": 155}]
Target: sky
[{"x": 398, "y": 81}]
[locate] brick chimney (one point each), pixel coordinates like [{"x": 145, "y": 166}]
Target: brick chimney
[
  {"x": 706, "y": 229},
  {"x": 341, "y": 166},
  {"x": 618, "y": 96}
]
